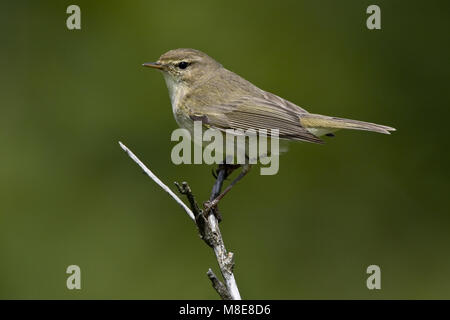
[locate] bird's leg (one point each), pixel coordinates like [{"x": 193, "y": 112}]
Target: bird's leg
[
  {"x": 221, "y": 173},
  {"x": 228, "y": 169},
  {"x": 215, "y": 200}
]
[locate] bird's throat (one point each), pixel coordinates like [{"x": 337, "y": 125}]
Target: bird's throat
[{"x": 176, "y": 90}]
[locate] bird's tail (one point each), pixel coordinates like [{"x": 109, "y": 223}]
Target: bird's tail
[{"x": 324, "y": 124}]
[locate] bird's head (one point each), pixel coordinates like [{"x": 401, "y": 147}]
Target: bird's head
[{"x": 184, "y": 66}]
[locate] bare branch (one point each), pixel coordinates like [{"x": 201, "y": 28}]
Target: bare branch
[
  {"x": 156, "y": 179},
  {"x": 218, "y": 286},
  {"x": 208, "y": 227},
  {"x": 207, "y": 222}
]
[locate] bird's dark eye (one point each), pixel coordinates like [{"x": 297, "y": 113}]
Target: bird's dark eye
[{"x": 183, "y": 65}]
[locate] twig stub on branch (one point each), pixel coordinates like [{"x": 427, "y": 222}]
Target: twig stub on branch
[{"x": 219, "y": 286}]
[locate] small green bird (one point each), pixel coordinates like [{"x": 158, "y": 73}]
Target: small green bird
[{"x": 201, "y": 89}]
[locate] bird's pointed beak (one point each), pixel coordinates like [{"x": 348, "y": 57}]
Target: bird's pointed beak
[{"x": 154, "y": 65}]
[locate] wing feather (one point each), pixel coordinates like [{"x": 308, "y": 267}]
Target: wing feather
[{"x": 256, "y": 113}]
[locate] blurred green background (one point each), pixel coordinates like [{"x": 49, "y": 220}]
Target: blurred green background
[{"x": 69, "y": 195}]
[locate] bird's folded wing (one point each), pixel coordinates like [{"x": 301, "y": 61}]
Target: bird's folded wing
[{"x": 254, "y": 113}]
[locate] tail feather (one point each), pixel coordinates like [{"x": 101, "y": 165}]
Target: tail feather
[{"x": 326, "y": 123}]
